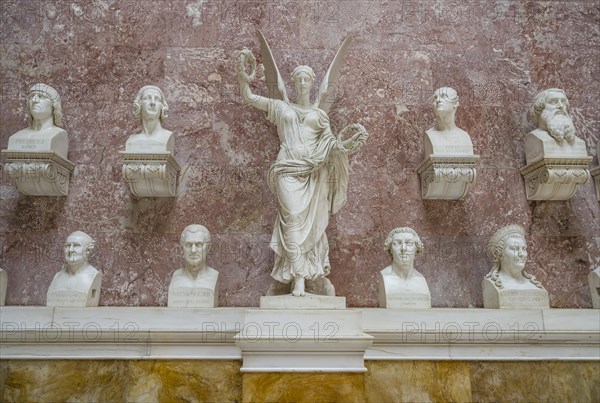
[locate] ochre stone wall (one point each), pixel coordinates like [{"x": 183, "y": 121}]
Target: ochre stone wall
[
  {"x": 221, "y": 381},
  {"x": 497, "y": 55}
]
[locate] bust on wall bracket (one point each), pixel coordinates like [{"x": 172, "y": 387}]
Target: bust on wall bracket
[
  {"x": 150, "y": 168},
  {"x": 595, "y": 172},
  {"x": 557, "y": 160},
  {"x": 449, "y": 165},
  {"x": 36, "y": 157}
]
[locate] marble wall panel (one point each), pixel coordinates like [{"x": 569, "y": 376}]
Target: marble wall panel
[{"x": 497, "y": 55}]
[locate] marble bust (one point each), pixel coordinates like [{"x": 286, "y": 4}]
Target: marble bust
[
  {"x": 445, "y": 137},
  {"x": 400, "y": 285},
  {"x": 78, "y": 283},
  {"x": 150, "y": 109},
  {"x": 557, "y": 160},
  {"x": 449, "y": 164},
  {"x": 508, "y": 285},
  {"x": 45, "y": 133},
  {"x": 3, "y": 286},
  {"x": 195, "y": 285}
]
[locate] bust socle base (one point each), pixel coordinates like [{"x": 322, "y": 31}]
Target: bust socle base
[
  {"x": 396, "y": 293},
  {"x": 203, "y": 293},
  {"x": 3, "y": 286},
  {"x": 530, "y": 298},
  {"x": 594, "y": 280},
  {"x": 63, "y": 294}
]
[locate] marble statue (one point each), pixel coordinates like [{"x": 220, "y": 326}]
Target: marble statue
[
  {"x": 400, "y": 284},
  {"x": 150, "y": 109},
  {"x": 310, "y": 175},
  {"x": 449, "y": 165},
  {"x": 557, "y": 160},
  {"x": 150, "y": 167},
  {"x": 37, "y": 156},
  {"x": 594, "y": 281},
  {"x": 78, "y": 283},
  {"x": 3, "y": 285},
  {"x": 508, "y": 285},
  {"x": 195, "y": 285}
]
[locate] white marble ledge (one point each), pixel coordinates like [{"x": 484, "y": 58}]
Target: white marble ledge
[{"x": 172, "y": 333}]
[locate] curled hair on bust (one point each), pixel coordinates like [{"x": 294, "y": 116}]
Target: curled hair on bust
[
  {"x": 403, "y": 230},
  {"x": 137, "y": 103},
  {"x": 450, "y": 93},
  {"x": 539, "y": 103},
  {"x": 194, "y": 228},
  {"x": 496, "y": 247},
  {"x": 88, "y": 243},
  {"x": 303, "y": 69},
  {"x": 54, "y": 97}
]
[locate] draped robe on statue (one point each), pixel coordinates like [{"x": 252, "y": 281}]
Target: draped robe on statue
[{"x": 309, "y": 178}]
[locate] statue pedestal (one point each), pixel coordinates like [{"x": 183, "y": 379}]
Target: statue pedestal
[
  {"x": 151, "y": 175},
  {"x": 308, "y": 301},
  {"x": 447, "y": 177},
  {"x": 39, "y": 173},
  {"x": 594, "y": 280},
  {"x": 532, "y": 298},
  {"x": 553, "y": 170},
  {"x": 303, "y": 341}
]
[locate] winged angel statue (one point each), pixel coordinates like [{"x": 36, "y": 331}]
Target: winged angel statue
[{"x": 310, "y": 176}]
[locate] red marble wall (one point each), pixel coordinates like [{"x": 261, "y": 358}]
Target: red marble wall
[{"x": 98, "y": 54}]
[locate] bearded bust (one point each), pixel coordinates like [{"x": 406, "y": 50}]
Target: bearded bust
[{"x": 554, "y": 135}]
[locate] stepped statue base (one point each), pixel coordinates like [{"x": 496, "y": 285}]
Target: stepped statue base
[
  {"x": 151, "y": 175},
  {"x": 3, "y": 286},
  {"x": 447, "y": 177},
  {"x": 307, "y": 301},
  {"x": 594, "y": 280},
  {"x": 39, "y": 173},
  {"x": 514, "y": 298}
]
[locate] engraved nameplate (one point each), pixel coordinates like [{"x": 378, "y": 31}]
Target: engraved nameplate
[
  {"x": 523, "y": 299},
  {"x": 67, "y": 298},
  {"x": 190, "y": 297}
]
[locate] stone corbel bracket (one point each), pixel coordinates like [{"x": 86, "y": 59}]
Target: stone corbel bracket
[
  {"x": 447, "y": 177},
  {"x": 555, "y": 178},
  {"x": 151, "y": 175},
  {"x": 39, "y": 173},
  {"x": 595, "y": 172}
]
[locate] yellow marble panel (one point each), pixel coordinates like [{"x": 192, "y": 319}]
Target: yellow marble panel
[
  {"x": 184, "y": 381},
  {"x": 303, "y": 387},
  {"x": 62, "y": 381},
  {"x": 525, "y": 381},
  {"x": 417, "y": 381}
]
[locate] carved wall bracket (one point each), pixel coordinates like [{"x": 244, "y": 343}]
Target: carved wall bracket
[
  {"x": 555, "y": 178},
  {"x": 151, "y": 175},
  {"x": 447, "y": 177},
  {"x": 595, "y": 172},
  {"x": 39, "y": 173}
]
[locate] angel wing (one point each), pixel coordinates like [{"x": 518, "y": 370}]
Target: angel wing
[
  {"x": 329, "y": 84},
  {"x": 273, "y": 79}
]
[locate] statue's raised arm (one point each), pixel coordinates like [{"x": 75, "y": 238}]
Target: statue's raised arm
[{"x": 275, "y": 83}]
